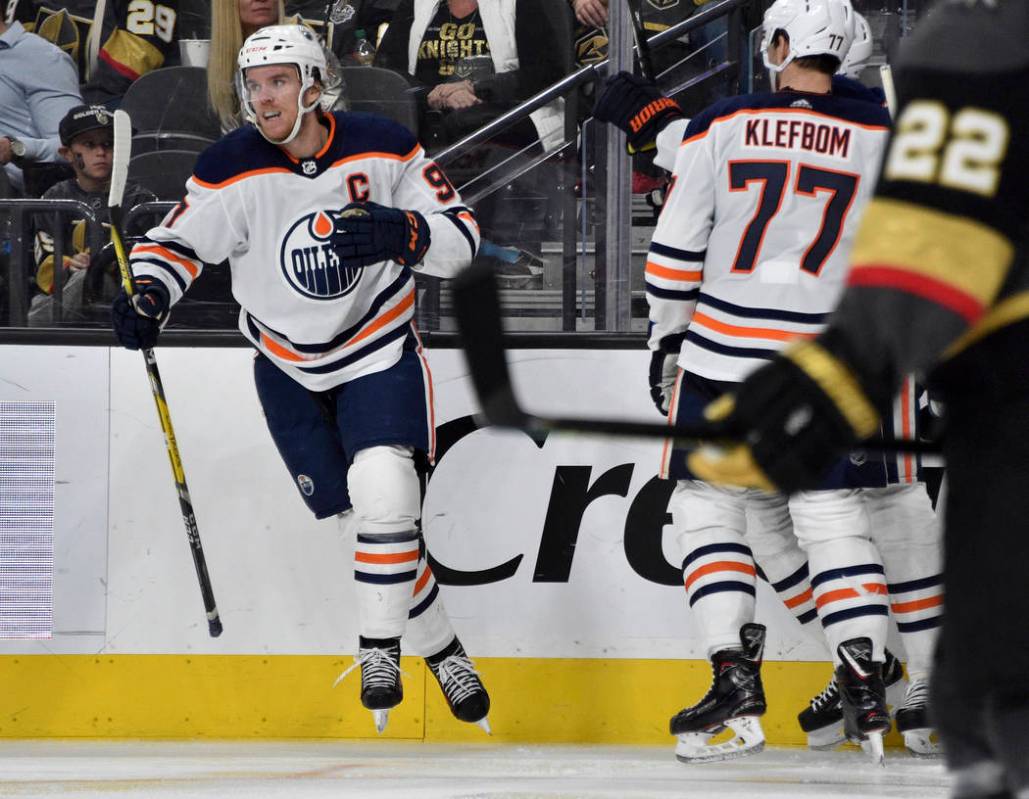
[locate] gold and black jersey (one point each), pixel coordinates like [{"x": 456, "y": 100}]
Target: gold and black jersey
[{"x": 935, "y": 275}]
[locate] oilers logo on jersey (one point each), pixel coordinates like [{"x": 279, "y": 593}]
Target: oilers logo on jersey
[{"x": 309, "y": 261}]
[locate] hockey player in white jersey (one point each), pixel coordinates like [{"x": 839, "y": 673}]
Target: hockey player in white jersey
[
  {"x": 322, "y": 218},
  {"x": 904, "y": 527},
  {"x": 747, "y": 256}
]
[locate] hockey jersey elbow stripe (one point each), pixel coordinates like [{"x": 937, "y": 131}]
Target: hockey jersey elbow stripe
[
  {"x": 164, "y": 252},
  {"x": 175, "y": 246},
  {"x": 690, "y": 256},
  {"x": 671, "y": 294},
  {"x": 459, "y": 217},
  {"x": 165, "y": 269},
  {"x": 682, "y": 275}
]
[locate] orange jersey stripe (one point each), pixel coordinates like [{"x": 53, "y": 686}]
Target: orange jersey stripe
[
  {"x": 418, "y": 586},
  {"x": 719, "y": 566},
  {"x": 673, "y": 274},
  {"x": 835, "y": 596},
  {"x": 704, "y": 320},
  {"x": 164, "y": 252},
  {"x": 799, "y": 599},
  {"x": 384, "y": 319},
  {"x": 875, "y": 588},
  {"x": 395, "y": 557},
  {"x": 905, "y": 425},
  {"x": 917, "y": 604}
]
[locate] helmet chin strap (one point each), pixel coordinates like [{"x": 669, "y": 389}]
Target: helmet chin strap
[{"x": 301, "y": 110}]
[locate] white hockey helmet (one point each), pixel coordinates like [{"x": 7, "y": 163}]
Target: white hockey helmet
[
  {"x": 861, "y": 50},
  {"x": 285, "y": 44},
  {"x": 814, "y": 27}
]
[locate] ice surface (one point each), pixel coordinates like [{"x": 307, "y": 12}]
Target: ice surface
[{"x": 388, "y": 770}]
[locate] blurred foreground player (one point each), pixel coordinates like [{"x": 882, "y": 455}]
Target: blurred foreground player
[
  {"x": 322, "y": 218},
  {"x": 938, "y": 285}
]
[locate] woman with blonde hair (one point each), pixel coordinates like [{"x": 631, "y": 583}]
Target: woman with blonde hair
[{"x": 232, "y": 21}]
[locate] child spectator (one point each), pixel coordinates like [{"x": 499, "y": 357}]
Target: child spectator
[{"x": 87, "y": 141}]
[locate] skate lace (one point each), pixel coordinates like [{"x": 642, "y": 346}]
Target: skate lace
[
  {"x": 917, "y": 695},
  {"x": 458, "y": 678},
  {"x": 830, "y": 696},
  {"x": 378, "y": 669}
]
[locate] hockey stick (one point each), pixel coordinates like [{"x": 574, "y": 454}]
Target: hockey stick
[
  {"x": 889, "y": 89},
  {"x": 477, "y": 310},
  {"x": 119, "y": 174},
  {"x": 642, "y": 45}
]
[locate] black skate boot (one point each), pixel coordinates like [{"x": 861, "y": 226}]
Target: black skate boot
[
  {"x": 912, "y": 719},
  {"x": 379, "y": 659},
  {"x": 822, "y": 719},
  {"x": 735, "y": 700},
  {"x": 863, "y": 697},
  {"x": 461, "y": 684}
]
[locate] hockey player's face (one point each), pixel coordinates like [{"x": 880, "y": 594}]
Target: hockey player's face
[{"x": 273, "y": 92}]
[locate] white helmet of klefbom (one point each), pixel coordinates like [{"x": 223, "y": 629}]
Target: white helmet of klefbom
[
  {"x": 283, "y": 44},
  {"x": 814, "y": 27},
  {"x": 861, "y": 50}
]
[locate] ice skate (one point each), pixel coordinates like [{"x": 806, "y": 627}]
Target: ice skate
[
  {"x": 822, "y": 719},
  {"x": 863, "y": 697},
  {"x": 461, "y": 684},
  {"x": 734, "y": 701},
  {"x": 381, "y": 689},
  {"x": 912, "y": 719}
]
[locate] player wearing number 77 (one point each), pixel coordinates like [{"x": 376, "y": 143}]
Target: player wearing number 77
[
  {"x": 750, "y": 253},
  {"x": 323, "y": 219}
]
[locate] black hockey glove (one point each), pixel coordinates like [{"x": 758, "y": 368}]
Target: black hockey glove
[
  {"x": 138, "y": 320},
  {"x": 796, "y": 417},
  {"x": 368, "y": 233},
  {"x": 636, "y": 106}
]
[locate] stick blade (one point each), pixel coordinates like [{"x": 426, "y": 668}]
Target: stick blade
[
  {"x": 477, "y": 310},
  {"x": 121, "y": 155}
]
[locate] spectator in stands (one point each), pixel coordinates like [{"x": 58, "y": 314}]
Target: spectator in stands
[
  {"x": 474, "y": 62},
  {"x": 38, "y": 85},
  {"x": 232, "y": 21},
  {"x": 337, "y": 20},
  {"x": 87, "y": 141},
  {"x": 134, "y": 37},
  {"x": 469, "y": 63}
]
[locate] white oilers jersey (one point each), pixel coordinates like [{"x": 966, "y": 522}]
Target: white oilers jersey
[
  {"x": 271, "y": 217},
  {"x": 751, "y": 250}
]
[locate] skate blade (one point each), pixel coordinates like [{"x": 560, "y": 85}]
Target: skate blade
[
  {"x": 381, "y": 718},
  {"x": 693, "y": 747},
  {"x": 872, "y": 746},
  {"x": 828, "y": 737},
  {"x": 484, "y": 723},
  {"x": 922, "y": 743}
]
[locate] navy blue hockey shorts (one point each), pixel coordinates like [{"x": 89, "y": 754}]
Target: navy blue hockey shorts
[
  {"x": 318, "y": 433},
  {"x": 692, "y": 395}
]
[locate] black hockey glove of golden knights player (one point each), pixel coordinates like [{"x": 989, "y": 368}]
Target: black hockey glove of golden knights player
[
  {"x": 138, "y": 319},
  {"x": 636, "y": 106},
  {"x": 367, "y": 233},
  {"x": 794, "y": 418}
]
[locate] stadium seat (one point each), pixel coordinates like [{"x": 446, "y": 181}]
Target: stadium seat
[
  {"x": 154, "y": 141},
  {"x": 164, "y": 172},
  {"x": 381, "y": 91},
  {"x": 172, "y": 99}
]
